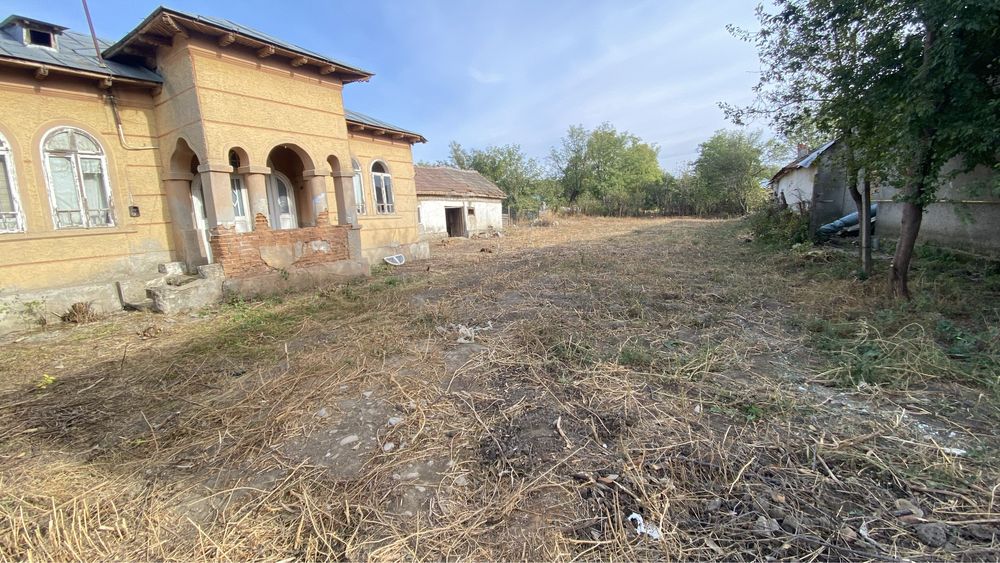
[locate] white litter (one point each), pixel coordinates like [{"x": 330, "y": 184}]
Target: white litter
[
  {"x": 395, "y": 260},
  {"x": 466, "y": 334},
  {"x": 642, "y": 528}
]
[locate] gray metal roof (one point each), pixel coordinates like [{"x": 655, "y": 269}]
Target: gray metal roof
[
  {"x": 73, "y": 51},
  {"x": 359, "y": 117},
  {"x": 807, "y": 161},
  {"x": 802, "y": 162},
  {"x": 233, "y": 27}
]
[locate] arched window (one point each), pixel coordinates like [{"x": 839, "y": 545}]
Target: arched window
[
  {"x": 241, "y": 205},
  {"x": 359, "y": 190},
  {"x": 382, "y": 185},
  {"x": 77, "y": 179},
  {"x": 11, "y": 220}
]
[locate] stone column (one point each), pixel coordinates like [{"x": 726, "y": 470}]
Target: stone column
[
  {"x": 218, "y": 194},
  {"x": 256, "y": 179},
  {"x": 177, "y": 187},
  {"x": 316, "y": 188},
  {"x": 347, "y": 208}
]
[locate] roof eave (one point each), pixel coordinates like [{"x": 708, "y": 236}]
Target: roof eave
[
  {"x": 400, "y": 134},
  {"x": 79, "y": 72},
  {"x": 345, "y": 72}
]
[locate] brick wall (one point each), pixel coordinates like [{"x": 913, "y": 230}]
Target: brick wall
[{"x": 265, "y": 250}]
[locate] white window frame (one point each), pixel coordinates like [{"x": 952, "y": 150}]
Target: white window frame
[
  {"x": 238, "y": 192},
  {"x": 18, "y": 215},
  {"x": 74, "y": 156},
  {"x": 358, "y": 181},
  {"x": 388, "y": 205}
]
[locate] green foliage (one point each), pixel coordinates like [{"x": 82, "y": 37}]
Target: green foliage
[
  {"x": 519, "y": 176},
  {"x": 783, "y": 227},
  {"x": 729, "y": 171},
  {"x": 907, "y": 85},
  {"x": 604, "y": 171}
]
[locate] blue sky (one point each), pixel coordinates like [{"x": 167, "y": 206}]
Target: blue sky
[{"x": 513, "y": 71}]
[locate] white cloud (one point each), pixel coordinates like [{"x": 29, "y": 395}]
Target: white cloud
[{"x": 485, "y": 77}]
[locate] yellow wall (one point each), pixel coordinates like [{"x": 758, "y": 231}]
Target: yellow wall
[
  {"x": 258, "y": 104},
  {"x": 399, "y": 228},
  {"x": 43, "y": 256},
  {"x": 214, "y": 98}
]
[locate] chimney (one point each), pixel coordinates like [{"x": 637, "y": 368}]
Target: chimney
[{"x": 803, "y": 150}]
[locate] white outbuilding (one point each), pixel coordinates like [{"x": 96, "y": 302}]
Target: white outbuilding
[{"x": 456, "y": 203}]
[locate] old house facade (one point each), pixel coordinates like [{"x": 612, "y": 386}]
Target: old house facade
[{"x": 192, "y": 145}]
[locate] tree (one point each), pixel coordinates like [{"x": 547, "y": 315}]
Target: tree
[
  {"x": 621, "y": 166},
  {"x": 569, "y": 162},
  {"x": 729, "y": 170},
  {"x": 519, "y": 176},
  {"x": 906, "y": 85}
]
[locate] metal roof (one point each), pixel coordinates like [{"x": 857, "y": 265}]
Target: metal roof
[
  {"x": 358, "y": 117},
  {"x": 230, "y": 27},
  {"x": 803, "y": 162},
  {"x": 73, "y": 51}
]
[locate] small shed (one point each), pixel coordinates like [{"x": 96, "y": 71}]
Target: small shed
[
  {"x": 456, "y": 203},
  {"x": 816, "y": 183}
]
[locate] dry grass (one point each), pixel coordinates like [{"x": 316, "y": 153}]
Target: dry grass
[{"x": 658, "y": 367}]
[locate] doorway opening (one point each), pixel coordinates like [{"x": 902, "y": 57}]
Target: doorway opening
[
  {"x": 200, "y": 217},
  {"x": 281, "y": 202},
  {"x": 455, "y": 220}
]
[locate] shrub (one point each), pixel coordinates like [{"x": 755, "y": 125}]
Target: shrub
[{"x": 773, "y": 225}]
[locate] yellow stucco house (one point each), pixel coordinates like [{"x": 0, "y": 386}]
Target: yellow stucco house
[{"x": 195, "y": 147}]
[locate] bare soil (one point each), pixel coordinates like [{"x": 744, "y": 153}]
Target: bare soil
[{"x": 517, "y": 398}]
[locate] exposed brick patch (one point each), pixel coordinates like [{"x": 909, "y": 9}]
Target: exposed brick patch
[
  {"x": 260, "y": 222},
  {"x": 240, "y": 253}
]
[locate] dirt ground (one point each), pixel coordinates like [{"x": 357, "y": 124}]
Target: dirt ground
[{"x": 592, "y": 389}]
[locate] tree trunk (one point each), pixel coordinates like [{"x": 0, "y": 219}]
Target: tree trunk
[
  {"x": 866, "y": 225},
  {"x": 899, "y": 273},
  {"x": 859, "y": 202},
  {"x": 915, "y": 191}
]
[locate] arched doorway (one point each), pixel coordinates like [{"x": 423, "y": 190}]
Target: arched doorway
[
  {"x": 281, "y": 201},
  {"x": 187, "y": 203},
  {"x": 288, "y": 199}
]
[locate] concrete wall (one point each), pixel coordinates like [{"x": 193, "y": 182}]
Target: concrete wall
[
  {"x": 968, "y": 219},
  {"x": 42, "y": 258},
  {"x": 486, "y": 214},
  {"x": 831, "y": 200},
  {"x": 797, "y": 187}
]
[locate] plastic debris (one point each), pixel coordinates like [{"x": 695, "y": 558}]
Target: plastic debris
[
  {"x": 644, "y": 529},
  {"x": 466, "y": 334},
  {"x": 395, "y": 260}
]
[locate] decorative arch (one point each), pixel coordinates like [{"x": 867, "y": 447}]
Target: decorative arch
[
  {"x": 11, "y": 216},
  {"x": 76, "y": 173},
  {"x": 237, "y": 157},
  {"x": 289, "y": 202},
  {"x": 383, "y": 200},
  {"x": 304, "y": 158},
  {"x": 184, "y": 160}
]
